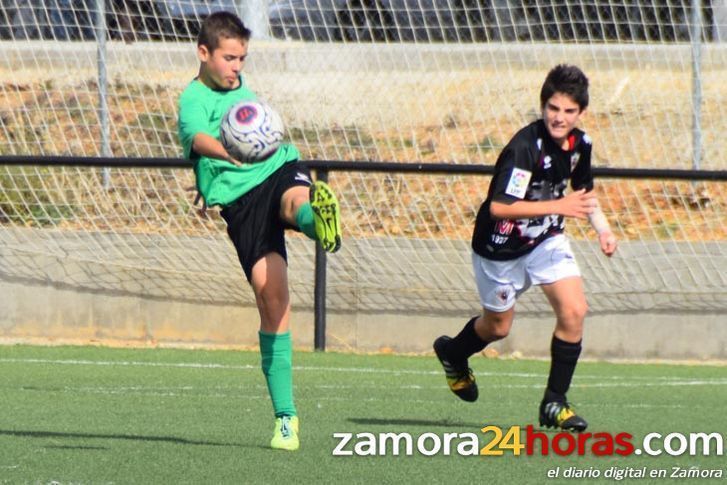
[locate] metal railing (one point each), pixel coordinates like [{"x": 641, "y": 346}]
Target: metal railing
[{"x": 324, "y": 167}]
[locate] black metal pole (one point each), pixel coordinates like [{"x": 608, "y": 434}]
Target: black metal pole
[
  {"x": 319, "y": 289},
  {"x": 359, "y": 166}
]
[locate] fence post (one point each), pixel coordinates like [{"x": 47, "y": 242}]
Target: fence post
[
  {"x": 254, "y": 14},
  {"x": 103, "y": 106},
  {"x": 319, "y": 289},
  {"x": 696, "y": 35}
]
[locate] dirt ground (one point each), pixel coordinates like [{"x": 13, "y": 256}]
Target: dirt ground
[{"x": 637, "y": 118}]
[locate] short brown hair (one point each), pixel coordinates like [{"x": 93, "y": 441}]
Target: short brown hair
[
  {"x": 221, "y": 25},
  {"x": 566, "y": 79}
]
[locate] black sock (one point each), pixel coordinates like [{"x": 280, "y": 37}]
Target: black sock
[
  {"x": 564, "y": 357},
  {"x": 466, "y": 343}
]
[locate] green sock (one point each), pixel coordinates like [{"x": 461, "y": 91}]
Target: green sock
[
  {"x": 277, "y": 363},
  {"x": 305, "y": 220}
]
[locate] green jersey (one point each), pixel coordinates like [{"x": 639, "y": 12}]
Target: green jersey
[{"x": 220, "y": 182}]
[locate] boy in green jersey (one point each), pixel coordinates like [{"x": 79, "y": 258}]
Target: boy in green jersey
[{"x": 259, "y": 201}]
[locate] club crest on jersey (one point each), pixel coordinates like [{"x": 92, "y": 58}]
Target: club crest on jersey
[
  {"x": 574, "y": 160},
  {"x": 547, "y": 162},
  {"x": 518, "y": 184}
]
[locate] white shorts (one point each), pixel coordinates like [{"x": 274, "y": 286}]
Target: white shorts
[{"x": 500, "y": 283}]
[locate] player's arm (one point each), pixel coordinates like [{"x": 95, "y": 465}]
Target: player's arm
[
  {"x": 512, "y": 180},
  {"x": 194, "y": 132},
  {"x": 207, "y": 146},
  {"x": 606, "y": 237},
  {"x": 579, "y": 204},
  {"x": 582, "y": 177}
]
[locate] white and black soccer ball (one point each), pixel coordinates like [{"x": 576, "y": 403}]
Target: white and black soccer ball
[{"x": 251, "y": 131}]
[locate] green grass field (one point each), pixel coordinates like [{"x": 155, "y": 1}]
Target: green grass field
[{"x": 99, "y": 415}]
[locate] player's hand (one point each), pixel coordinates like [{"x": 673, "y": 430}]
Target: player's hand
[
  {"x": 233, "y": 161},
  {"x": 578, "y": 204},
  {"x": 608, "y": 243},
  {"x": 202, "y": 211}
]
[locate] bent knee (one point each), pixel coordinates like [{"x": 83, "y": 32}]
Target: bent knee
[
  {"x": 496, "y": 326},
  {"x": 574, "y": 314},
  {"x": 272, "y": 301},
  {"x": 499, "y": 332}
]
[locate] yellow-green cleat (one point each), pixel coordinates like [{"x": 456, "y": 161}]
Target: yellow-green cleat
[
  {"x": 561, "y": 415},
  {"x": 460, "y": 379},
  {"x": 285, "y": 436},
  {"x": 327, "y": 216}
]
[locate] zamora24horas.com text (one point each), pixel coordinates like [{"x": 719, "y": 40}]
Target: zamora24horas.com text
[{"x": 519, "y": 441}]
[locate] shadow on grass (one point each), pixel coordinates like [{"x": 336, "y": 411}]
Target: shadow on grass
[
  {"x": 60, "y": 447},
  {"x": 437, "y": 423},
  {"x": 444, "y": 423},
  {"x": 130, "y": 437}
]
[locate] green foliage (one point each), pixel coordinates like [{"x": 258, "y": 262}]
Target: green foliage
[
  {"x": 488, "y": 143},
  {"x": 30, "y": 197}
]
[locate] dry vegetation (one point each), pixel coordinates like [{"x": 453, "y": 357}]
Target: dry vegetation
[{"x": 45, "y": 118}]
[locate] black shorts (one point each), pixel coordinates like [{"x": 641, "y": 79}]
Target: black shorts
[{"x": 253, "y": 221}]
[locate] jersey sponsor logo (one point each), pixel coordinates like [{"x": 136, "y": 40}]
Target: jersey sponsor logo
[
  {"x": 518, "y": 184},
  {"x": 497, "y": 239},
  {"x": 505, "y": 226}
]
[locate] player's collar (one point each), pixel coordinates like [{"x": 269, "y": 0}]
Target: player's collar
[{"x": 240, "y": 85}]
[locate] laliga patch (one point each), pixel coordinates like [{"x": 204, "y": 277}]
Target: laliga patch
[{"x": 518, "y": 184}]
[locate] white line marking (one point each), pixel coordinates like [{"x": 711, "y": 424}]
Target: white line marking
[
  {"x": 366, "y": 370},
  {"x": 445, "y": 397}
]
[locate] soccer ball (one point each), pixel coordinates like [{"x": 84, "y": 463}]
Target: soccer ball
[{"x": 251, "y": 131}]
